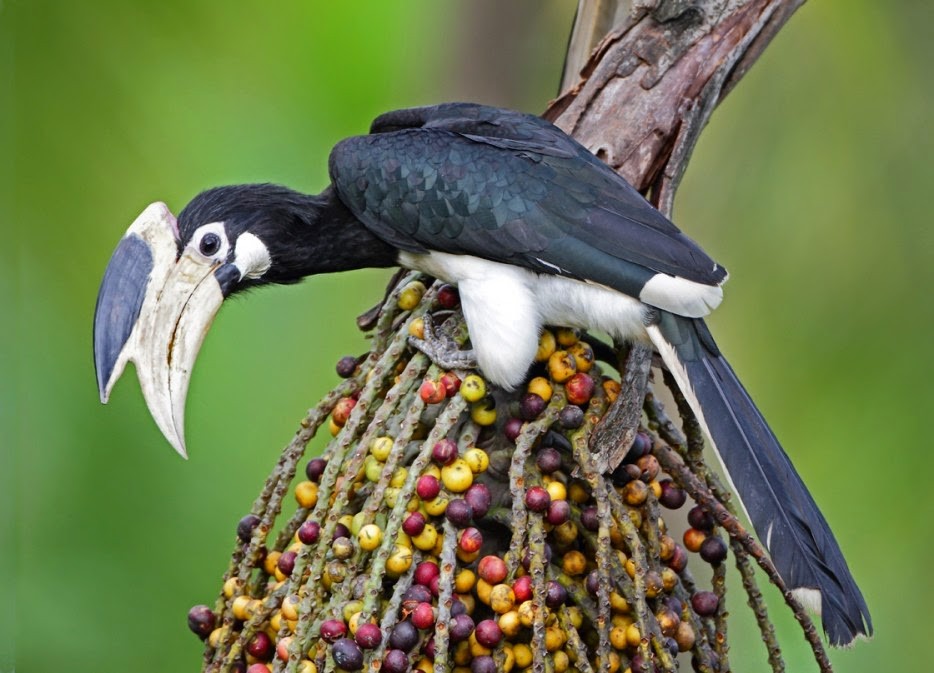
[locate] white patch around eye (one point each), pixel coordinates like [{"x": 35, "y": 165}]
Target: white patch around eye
[
  {"x": 251, "y": 256},
  {"x": 212, "y": 228}
]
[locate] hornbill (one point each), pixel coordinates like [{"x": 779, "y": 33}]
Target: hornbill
[{"x": 533, "y": 229}]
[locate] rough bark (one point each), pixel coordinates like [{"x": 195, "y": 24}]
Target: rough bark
[{"x": 641, "y": 99}]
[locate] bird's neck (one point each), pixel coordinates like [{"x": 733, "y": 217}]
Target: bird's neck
[{"x": 335, "y": 240}]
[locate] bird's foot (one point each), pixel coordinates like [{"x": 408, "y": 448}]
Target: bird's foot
[{"x": 442, "y": 348}]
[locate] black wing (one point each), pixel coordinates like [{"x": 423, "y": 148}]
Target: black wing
[{"x": 501, "y": 185}]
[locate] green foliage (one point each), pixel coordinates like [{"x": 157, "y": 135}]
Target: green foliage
[{"x": 807, "y": 186}]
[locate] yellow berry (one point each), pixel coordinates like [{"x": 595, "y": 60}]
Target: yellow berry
[
  {"x": 381, "y": 447},
  {"x": 399, "y": 477},
  {"x": 240, "y": 607},
  {"x": 611, "y": 388},
  {"x": 464, "y": 581},
  {"x": 458, "y": 477},
  {"x": 509, "y": 623},
  {"x": 373, "y": 469},
  {"x": 411, "y": 294},
  {"x": 561, "y": 366},
  {"x": 541, "y": 387},
  {"x": 483, "y": 412},
  {"x": 269, "y": 564},
  {"x": 574, "y": 563},
  {"x": 523, "y": 654},
  {"x": 567, "y": 336},
  {"x": 546, "y": 346},
  {"x": 427, "y": 539},
  {"x": 232, "y": 587},
  {"x": 306, "y": 493},
  {"x": 473, "y": 388},
  {"x": 369, "y": 537},
  {"x": 583, "y": 355},
  {"x": 290, "y": 607},
  {"x": 502, "y": 599},
  {"x": 399, "y": 561},
  {"x": 437, "y": 506},
  {"x": 554, "y": 637},
  {"x": 417, "y": 328},
  {"x": 557, "y": 490},
  {"x": 477, "y": 459}
]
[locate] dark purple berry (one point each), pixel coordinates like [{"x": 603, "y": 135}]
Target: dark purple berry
[
  {"x": 404, "y": 636},
  {"x": 340, "y": 530},
  {"x": 700, "y": 519},
  {"x": 483, "y": 664},
  {"x": 315, "y": 468},
  {"x": 448, "y": 297},
  {"x": 571, "y": 417},
  {"x": 286, "y": 563},
  {"x": 713, "y": 549},
  {"x": 589, "y": 518},
  {"x": 245, "y": 527},
  {"x": 548, "y": 460},
  {"x": 461, "y": 627},
  {"x": 395, "y": 661},
  {"x": 417, "y": 593},
  {"x": 488, "y": 633},
  {"x": 592, "y": 582},
  {"x": 531, "y": 406},
  {"x": 429, "y": 649},
  {"x": 309, "y": 531},
  {"x": 368, "y": 636},
  {"x": 512, "y": 428},
  {"x": 444, "y": 452},
  {"x": 559, "y": 511},
  {"x": 479, "y": 498},
  {"x": 459, "y": 512},
  {"x": 555, "y": 594},
  {"x": 537, "y": 499},
  {"x": 705, "y": 603},
  {"x": 672, "y": 497},
  {"x": 346, "y": 366},
  {"x": 347, "y": 655},
  {"x": 201, "y": 621},
  {"x": 641, "y": 445},
  {"x": 679, "y": 559},
  {"x": 414, "y": 524},
  {"x": 458, "y": 607}
]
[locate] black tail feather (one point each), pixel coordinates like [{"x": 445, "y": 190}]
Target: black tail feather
[{"x": 784, "y": 514}]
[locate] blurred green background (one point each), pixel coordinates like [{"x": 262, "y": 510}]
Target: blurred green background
[{"x": 810, "y": 185}]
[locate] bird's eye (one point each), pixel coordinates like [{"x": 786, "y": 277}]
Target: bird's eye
[{"x": 210, "y": 244}]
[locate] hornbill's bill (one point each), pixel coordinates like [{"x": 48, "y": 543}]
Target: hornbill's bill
[{"x": 532, "y": 228}]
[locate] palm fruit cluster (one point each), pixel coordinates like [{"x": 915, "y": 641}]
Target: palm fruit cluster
[{"x": 450, "y": 526}]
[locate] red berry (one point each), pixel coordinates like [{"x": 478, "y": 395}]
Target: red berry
[
  {"x": 559, "y": 511},
  {"x": 431, "y": 392},
  {"x": 368, "y": 636},
  {"x": 579, "y": 388},
  {"x": 333, "y": 629},
  {"x": 492, "y": 569},
  {"x": 428, "y": 487},
  {"x": 423, "y": 616},
  {"x": 522, "y": 588},
  {"x": 451, "y": 383},
  {"x": 470, "y": 540},
  {"x": 425, "y": 572},
  {"x": 261, "y": 646},
  {"x": 448, "y": 297},
  {"x": 342, "y": 410}
]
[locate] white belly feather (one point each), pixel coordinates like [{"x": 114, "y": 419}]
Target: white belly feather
[{"x": 506, "y": 307}]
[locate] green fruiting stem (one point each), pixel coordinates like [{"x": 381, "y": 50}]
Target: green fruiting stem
[
  {"x": 757, "y": 604},
  {"x": 537, "y": 571},
  {"x": 445, "y": 597}
]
